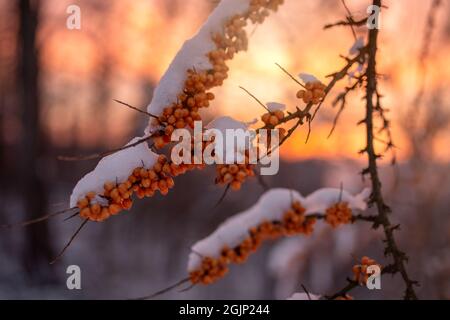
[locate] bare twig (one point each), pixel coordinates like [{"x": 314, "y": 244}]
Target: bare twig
[
  {"x": 223, "y": 196},
  {"x": 290, "y": 75},
  {"x": 37, "y": 220},
  {"x": 104, "y": 154},
  {"x": 163, "y": 291},
  {"x": 254, "y": 97},
  {"x": 70, "y": 241},
  {"x": 351, "y": 284},
  {"x": 136, "y": 109}
]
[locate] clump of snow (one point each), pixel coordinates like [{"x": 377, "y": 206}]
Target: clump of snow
[
  {"x": 226, "y": 123},
  {"x": 193, "y": 54},
  {"x": 306, "y": 77},
  {"x": 275, "y": 106},
  {"x": 229, "y": 129},
  {"x": 115, "y": 167},
  {"x": 304, "y": 296},
  {"x": 270, "y": 207},
  {"x": 358, "y": 45},
  {"x": 321, "y": 200}
]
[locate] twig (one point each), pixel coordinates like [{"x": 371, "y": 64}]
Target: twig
[
  {"x": 104, "y": 154},
  {"x": 348, "y": 22},
  {"x": 37, "y": 220},
  {"x": 136, "y": 109},
  {"x": 306, "y": 291},
  {"x": 351, "y": 284},
  {"x": 290, "y": 75},
  {"x": 70, "y": 241},
  {"x": 349, "y": 18},
  {"x": 254, "y": 97},
  {"x": 161, "y": 292},
  {"x": 223, "y": 196},
  {"x": 341, "y": 99}
]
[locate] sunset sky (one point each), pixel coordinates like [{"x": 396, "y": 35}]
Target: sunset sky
[{"x": 137, "y": 39}]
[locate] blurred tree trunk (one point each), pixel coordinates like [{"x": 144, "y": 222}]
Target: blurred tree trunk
[{"x": 37, "y": 249}]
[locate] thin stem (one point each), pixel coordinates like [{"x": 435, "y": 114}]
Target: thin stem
[
  {"x": 136, "y": 109},
  {"x": 104, "y": 154},
  {"x": 254, "y": 97},
  {"x": 37, "y": 220},
  {"x": 161, "y": 292},
  {"x": 290, "y": 75},
  {"x": 70, "y": 241}
]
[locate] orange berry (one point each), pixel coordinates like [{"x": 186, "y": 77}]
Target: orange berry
[
  {"x": 104, "y": 214},
  {"x": 365, "y": 260},
  {"x": 109, "y": 186},
  {"x": 307, "y": 97},
  {"x": 85, "y": 213},
  {"x": 127, "y": 204},
  {"x": 273, "y": 120},
  {"x": 170, "y": 182},
  {"x": 233, "y": 169},
  {"x": 96, "y": 209},
  {"x": 146, "y": 183},
  {"x": 279, "y": 114},
  {"x": 114, "y": 209},
  {"x": 91, "y": 195},
  {"x": 83, "y": 203},
  {"x": 236, "y": 186},
  {"x": 301, "y": 94},
  {"x": 228, "y": 178},
  {"x": 265, "y": 118}
]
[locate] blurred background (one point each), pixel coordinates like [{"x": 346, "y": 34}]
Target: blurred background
[{"x": 56, "y": 98}]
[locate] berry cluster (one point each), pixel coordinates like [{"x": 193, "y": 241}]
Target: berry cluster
[
  {"x": 360, "y": 271},
  {"x": 195, "y": 93},
  {"x": 142, "y": 182},
  {"x": 194, "y": 96},
  {"x": 294, "y": 223},
  {"x": 272, "y": 119},
  {"x": 234, "y": 174},
  {"x": 314, "y": 92},
  {"x": 339, "y": 214}
]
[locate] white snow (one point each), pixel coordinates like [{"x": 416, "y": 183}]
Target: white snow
[
  {"x": 226, "y": 123},
  {"x": 306, "y": 77},
  {"x": 115, "y": 167},
  {"x": 304, "y": 296},
  {"x": 275, "y": 106},
  {"x": 271, "y": 206},
  {"x": 321, "y": 200},
  {"x": 358, "y": 45},
  {"x": 193, "y": 54},
  {"x": 233, "y": 148}
]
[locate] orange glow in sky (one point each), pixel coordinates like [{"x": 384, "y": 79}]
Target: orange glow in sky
[{"x": 140, "y": 38}]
